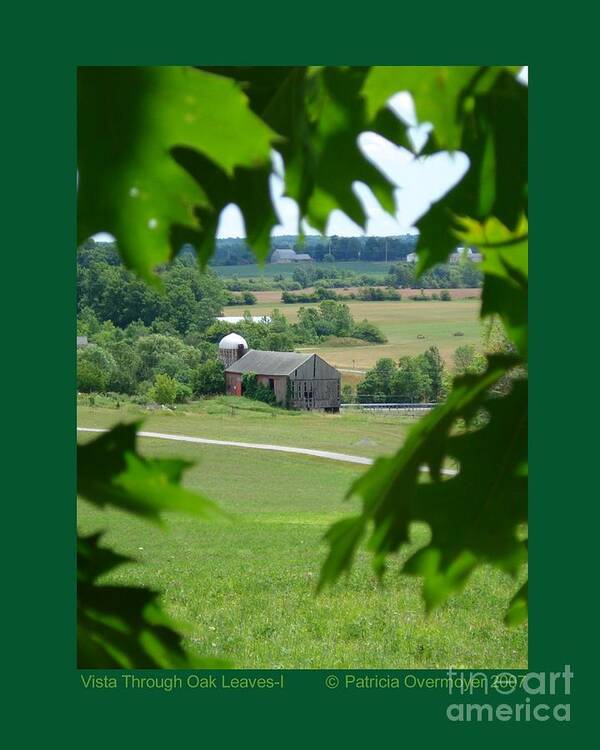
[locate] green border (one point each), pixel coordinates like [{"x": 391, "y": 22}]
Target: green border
[{"x": 39, "y": 480}]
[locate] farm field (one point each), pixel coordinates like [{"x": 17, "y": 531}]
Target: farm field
[
  {"x": 274, "y": 297},
  {"x": 401, "y": 322},
  {"x": 269, "y": 270},
  {"x": 245, "y": 587},
  {"x": 243, "y": 420}
]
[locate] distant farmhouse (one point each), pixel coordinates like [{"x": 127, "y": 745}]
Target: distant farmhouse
[
  {"x": 289, "y": 255},
  {"x": 301, "y": 381},
  {"x": 454, "y": 258},
  {"x": 241, "y": 318}
]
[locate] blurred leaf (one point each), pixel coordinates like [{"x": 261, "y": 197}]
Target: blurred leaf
[
  {"x": 123, "y": 627},
  {"x": 247, "y": 188},
  {"x": 94, "y": 561},
  {"x": 319, "y": 112},
  {"x": 505, "y": 265},
  {"x": 436, "y": 92},
  {"x": 129, "y": 119},
  {"x": 111, "y": 472},
  {"x": 473, "y": 516},
  {"x": 518, "y": 609},
  {"x": 491, "y": 123},
  {"x": 337, "y": 117}
]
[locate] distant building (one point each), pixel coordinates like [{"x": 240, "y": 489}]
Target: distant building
[
  {"x": 288, "y": 255},
  {"x": 241, "y": 319},
  {"x": 465, "y": 251},
  {"x": 301, "y": 381},
  {"x": 453, "y": 258},
  {"x": 82, "y": 341},
  {"x": 232, "y": 348}
]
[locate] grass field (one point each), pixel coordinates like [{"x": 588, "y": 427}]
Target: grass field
[
  {"x": 374, "y": 268},
  {"x": 402, "y": 322},
  {"x": 239, "y": 419},
  {"x": 246, "y": 588},
  {"x": 273, "y": 297}
]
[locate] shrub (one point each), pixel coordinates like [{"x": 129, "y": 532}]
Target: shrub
[
  {"x": 368, "y": 332},
  {"x": 164, "y": 390},
  {"x": 251, "y": 388},
  {"x": 209, "y": 378},
  {"x": 347, "y": 393},
  {"x": 95, "y": 367}
]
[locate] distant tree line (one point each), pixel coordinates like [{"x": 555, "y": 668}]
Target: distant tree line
[
  {"x": 365, "y": 294},
  {"x": 465, "y": 274},
  {"x": 235, "y": 252}
]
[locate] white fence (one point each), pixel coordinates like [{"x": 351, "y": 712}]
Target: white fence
[{"x": 409, "y": 410}]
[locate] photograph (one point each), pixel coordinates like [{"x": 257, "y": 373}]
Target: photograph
[{"x": 301, "y": 370}]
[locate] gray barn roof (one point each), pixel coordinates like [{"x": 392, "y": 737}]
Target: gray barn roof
[
  {"x": 283, "y": 252},
  {"x": 268, "y": 363}
]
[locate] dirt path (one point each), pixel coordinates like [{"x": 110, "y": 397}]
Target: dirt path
[{"x": 330, "y": 455}]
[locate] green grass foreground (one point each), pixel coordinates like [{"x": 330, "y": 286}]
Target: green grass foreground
[{"x": 246, "y": 588}]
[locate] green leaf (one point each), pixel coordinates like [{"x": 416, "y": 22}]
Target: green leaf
[
  {"x": 491, "y": 127},
  {"x": 129, "y": 119},
  {"x": 94, "y": 561},
  {"x": 123, "y": 627},
  {"x": 505, "y": 265},
  {"x": 319, "y": 112},
  {"x": 473, "y": 516},
  {"x": 337, "y": 117},
  {"x": 111, "y": 472},
  {"x": 438, "y": 94},
  {"x": 518, "y": 610},
  {"x": 247, "y": 188}
]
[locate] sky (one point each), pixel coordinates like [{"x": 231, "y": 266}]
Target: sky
[{"x": 419, "y": 182}]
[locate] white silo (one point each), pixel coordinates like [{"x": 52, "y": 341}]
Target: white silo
[{"x": 231, "y": 348}]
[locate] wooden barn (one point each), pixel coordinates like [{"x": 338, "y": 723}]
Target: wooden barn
[{"x": 301, "y": 381}]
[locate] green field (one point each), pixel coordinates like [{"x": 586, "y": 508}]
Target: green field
[
  {"x": 402, "y": 322},
  {"x": 375, "y": 268},
  {"x": 246, "y": 588}
]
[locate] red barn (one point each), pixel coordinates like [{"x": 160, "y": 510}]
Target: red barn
[{"x": 300, "y": 381}]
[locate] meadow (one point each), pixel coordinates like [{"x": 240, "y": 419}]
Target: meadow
[
  {"x": 246, "y": 586},
  {"x": 410, "y": 327}
]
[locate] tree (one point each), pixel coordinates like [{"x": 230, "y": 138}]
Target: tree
[
  {"x": 189, "y": 166},
  {"x": 95, "y": 367},
  {"x": 412, "y": 382},
  {"x": 377, "y": 384},
  {"x": 433, "y": 365},
  {"x": 468, "y": 360},
  {"x": 209, "y": 378},
  {"x": 164, "y": 390}
]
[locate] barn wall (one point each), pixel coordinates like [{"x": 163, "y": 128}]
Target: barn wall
[
  {"x": 279, "y": 385},
  {"x": 315, "y": 385},
  {"x": 233, "y": 382}
]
